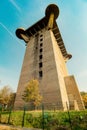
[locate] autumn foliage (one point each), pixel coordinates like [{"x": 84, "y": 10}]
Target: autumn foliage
[
  {"x": 32, "y": 93},
  {"x": 84, "y": 98}
]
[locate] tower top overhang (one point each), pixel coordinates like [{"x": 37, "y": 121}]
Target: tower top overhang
[{"x": 43, "y": 23}]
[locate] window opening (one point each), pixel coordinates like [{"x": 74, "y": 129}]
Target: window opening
[
  {"x": 41, "y": 50},
  {"x": 41, "y": 39},
  {"x": 40, "y": 57},
  {"x": 41, "y": 35},
  {"x": 40, "y": 64},
  {"x": 40, "y": 73},
  {"x": 41, "y": 44}
]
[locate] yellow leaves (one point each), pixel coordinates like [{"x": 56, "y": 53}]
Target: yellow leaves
[
  {"x": 31, "y": 92},
  {"x": 5, "y": 95},
  {"x": 84, "y": 98}
]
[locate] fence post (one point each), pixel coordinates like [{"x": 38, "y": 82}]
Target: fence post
[
  {"x": 0, "y": 112},
  {"x": 23, "y": 117},
  {"x": 43, "y": 116},
  {"x": 9, "y": 115},
  {"x": 69, "y": 116}
]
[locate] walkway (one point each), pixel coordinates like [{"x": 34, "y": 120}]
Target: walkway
[{"x": 8, "y": 127}]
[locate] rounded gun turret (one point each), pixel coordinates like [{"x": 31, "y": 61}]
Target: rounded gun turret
[
  {"x": 20, "y": 33},
  {"x": 51, "y": 12}
]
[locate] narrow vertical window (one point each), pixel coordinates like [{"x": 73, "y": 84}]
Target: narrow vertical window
[
  {"x": 40, "y": 64},
  {"x": 40, "y": 57},
  {"x": 40, "y": 74},
  {"x": 41, "y": 50},
  {"x": 41, "y": 44},
  {"x": 41, "y": 39}
]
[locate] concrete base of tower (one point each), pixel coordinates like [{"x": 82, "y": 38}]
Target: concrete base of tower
[{"x": 75, "y": 100}]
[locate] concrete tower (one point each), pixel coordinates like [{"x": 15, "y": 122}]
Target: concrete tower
[{"x": 45, "y": 59}]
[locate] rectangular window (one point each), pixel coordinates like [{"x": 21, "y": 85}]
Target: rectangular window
[
  {"x": 41, "y": 44},
  {"x": 40, "y": 64},
  {"x": 41, "y": 50},
  {"x": 41, "y": 39},
  {"x": 40, "y": 73},
  {"x": 40, "y": 57}
]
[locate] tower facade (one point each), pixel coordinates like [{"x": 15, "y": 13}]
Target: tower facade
[{"x": 45, "y": 60}]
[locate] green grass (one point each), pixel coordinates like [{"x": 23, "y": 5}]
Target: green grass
[{"x": 49, "y": 119}]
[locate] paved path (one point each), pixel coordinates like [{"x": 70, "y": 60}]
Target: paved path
[{"x": 7, "y": 127}]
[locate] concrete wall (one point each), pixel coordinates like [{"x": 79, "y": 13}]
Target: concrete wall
[
  {"x": 44, "y": 55},
  {"x": 75, "y": 100}
]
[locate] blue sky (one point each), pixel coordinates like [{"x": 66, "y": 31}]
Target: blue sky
[{"x": 72, "y": 22}]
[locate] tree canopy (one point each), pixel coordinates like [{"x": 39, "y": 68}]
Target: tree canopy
[
  {"x": 6, "y": 96},
  {"x": 84, "y": 98},
  {"x": 32, "y": 93}
]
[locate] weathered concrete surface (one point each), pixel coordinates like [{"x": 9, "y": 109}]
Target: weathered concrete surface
[
  {"x": 52, "y": 86},
  {"x": 75, "y": 100}
]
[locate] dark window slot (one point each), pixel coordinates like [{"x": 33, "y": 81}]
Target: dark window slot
[
  {"x": 40, "y": 73},
  {"x": 40, "y": 64}
]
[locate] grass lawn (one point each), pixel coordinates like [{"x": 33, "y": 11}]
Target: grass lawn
[{"x": 74, "y": 120}]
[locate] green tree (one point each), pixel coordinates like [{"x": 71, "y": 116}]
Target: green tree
[
  {"x": 12, "y": 99},
  {"x": 32, "y": 93},
  {"x": 5, "y": 93},
  {"x": 84, "y": 98}
]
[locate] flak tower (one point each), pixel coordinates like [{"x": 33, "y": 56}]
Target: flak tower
[{"x": 45, "y": 59}]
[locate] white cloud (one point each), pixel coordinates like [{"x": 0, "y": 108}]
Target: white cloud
[{"x": 15, "y": 5}]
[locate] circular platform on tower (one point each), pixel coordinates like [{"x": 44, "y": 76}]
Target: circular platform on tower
[
  {"x": 20, "y": 31},
  {"x": 52, "y": 8}
]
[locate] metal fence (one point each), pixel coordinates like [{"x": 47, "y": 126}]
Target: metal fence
[{"x": 46, "y": 119}]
